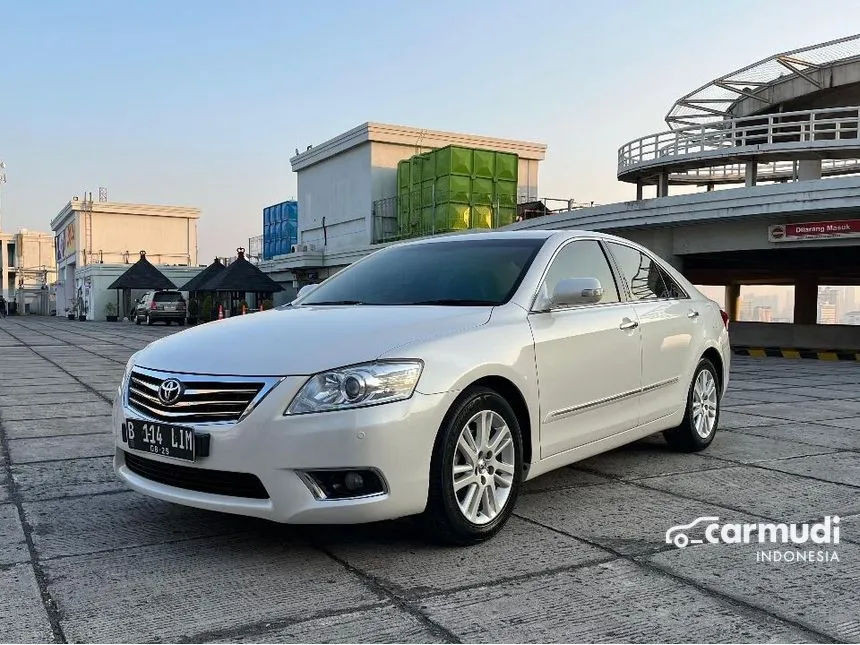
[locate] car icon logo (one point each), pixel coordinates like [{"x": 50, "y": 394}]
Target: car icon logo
[
  {"x": 170, "y": 391},
  {"x": 677, "y": 534}
]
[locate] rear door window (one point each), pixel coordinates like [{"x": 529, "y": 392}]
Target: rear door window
[{"x": 643, "y": 275}]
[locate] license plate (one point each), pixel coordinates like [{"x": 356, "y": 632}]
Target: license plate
[
  {"x": 170, "y": 307},
  {"x": 161, "y": 439}
]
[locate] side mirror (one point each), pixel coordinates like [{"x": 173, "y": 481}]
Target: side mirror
[{"x": 576, "y": 291}]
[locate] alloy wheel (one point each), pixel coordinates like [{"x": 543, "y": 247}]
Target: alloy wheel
[
  {"x": 484, "y": 463},
  {"x": 704, "y": 403}
]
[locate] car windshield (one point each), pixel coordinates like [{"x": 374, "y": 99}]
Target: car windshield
[
  {"x": 455, "y": 273},
  {"x": 168, "y": 296}
]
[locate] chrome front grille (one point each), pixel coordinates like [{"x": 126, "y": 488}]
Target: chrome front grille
[{"x": 203, "y": 399}]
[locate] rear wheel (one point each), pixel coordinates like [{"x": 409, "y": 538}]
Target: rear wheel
[
  {"x": 148, "y": 320},
  {"x": 702, "y": 416},
  {"x": 476, "y": 470}
]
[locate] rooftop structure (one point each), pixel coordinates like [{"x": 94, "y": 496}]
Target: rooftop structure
[
  {"x": 792, "y": 116},
  {"x": 756, "y": 87}
]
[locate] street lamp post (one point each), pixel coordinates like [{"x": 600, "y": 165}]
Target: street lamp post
[{"x": 2, "y": 181}]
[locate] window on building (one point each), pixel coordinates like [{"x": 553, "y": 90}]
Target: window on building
[
  {"x": 838, "y": 305},
  {"x": 766, "y": 303}
]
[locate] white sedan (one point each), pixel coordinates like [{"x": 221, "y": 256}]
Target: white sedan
[{"x": 429, "y": 379}]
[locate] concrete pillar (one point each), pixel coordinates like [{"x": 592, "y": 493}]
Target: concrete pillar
[
  {"x": 663, "y": 185},
  {"x": 733, "y": 301},
  {"x": 808, "y": 169},
  {"x": 709, "y": 188},
  {"x": 805, "y": 301},
  {"x": 751, "y": 173},
  {"x": 639, "y": 190}
]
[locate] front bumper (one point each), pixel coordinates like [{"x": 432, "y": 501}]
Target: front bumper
[{"x": 394, "y": 439}]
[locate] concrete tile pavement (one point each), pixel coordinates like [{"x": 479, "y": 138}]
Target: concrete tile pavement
[{"x": 584, "y": 559}]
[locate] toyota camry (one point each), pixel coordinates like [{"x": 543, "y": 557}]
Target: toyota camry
[{"x": 430, "y": 379}]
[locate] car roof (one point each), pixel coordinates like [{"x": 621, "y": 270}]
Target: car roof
[{"x": 534, "y": 234}]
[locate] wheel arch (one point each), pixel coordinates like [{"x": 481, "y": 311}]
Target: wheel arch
[
  {"x": 714, "y": 355},
  {"x": 513, "y": 394}
]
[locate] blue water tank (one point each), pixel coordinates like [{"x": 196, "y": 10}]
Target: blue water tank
[{"x": 280, "y": 228}]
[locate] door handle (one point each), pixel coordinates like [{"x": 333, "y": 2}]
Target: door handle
[
  {"x": 693, "y": 314},
  {"x": 628, "y": 324}
]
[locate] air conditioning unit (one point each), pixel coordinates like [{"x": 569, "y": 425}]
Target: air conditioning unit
[{"x": 310, "y": 247}]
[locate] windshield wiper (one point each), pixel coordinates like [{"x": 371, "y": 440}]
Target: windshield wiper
[{"x": 465, "y": 302}]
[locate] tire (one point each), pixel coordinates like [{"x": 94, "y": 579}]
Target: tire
[
  {"x": 181, "y": 323},
  {"x": 686, "y": 437},
  {"x": 148, "y": 320},
  {"x": 443, "y": 519},
  {"x": 136, "y": 319}
]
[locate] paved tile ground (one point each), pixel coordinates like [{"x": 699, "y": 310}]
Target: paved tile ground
[{"x": 83, "y": 559}]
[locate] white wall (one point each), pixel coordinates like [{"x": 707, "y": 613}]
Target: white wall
[
  {"x": 339, "y": 190},
  {"x": 168, "y": 240}
]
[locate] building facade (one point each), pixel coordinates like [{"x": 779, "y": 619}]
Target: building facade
[
  {"x": 27, "y": 268},
  {"x": 343, "y": 184},
  {"x": 89, "y": 233},
  {"x": 769, "y": 157}
]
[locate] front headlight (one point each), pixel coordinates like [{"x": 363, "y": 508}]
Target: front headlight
[
  {"x": 128, "y": 367},
  {"x": 357, "y": 386}
]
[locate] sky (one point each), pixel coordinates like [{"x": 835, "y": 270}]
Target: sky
[{"x": 202, "y": 102}]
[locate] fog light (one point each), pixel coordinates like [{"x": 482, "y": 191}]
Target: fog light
[
  {"x": 343, "y": 484},
  {"x": 353, "y": 481}
]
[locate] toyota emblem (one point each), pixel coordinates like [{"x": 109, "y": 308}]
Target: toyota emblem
[{"x": 170, "y": 391}]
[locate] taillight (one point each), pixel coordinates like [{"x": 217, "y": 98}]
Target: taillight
[
  {"x": 725, "y": 318},
  {"x": 153, "y": 306}
]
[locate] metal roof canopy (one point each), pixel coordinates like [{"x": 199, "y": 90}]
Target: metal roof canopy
[
  {"x": 142, "y": 275},
  {"x": 713, "y": 100},
  {"x": 240, "y": 276},
  {"x": 203, "y": 277}
]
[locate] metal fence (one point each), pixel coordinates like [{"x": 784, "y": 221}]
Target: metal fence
[
  {"x": 255, "y": 249},
  {"x": 773, "y": 171},
  {"x": 831, "y": 124},
  {"x": 395, "y": 218}
]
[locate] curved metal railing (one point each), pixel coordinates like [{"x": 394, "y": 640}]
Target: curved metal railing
[
  {"x": 710, "y": 139},
  {"x": 772, "y": 171}
]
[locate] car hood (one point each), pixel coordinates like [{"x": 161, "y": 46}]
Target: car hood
[{"x": 303, "y": 340}]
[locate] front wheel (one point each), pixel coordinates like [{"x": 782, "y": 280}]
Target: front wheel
[
  {"x": 476, "y": 470},
  {"x": 702, "y": 416}
]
